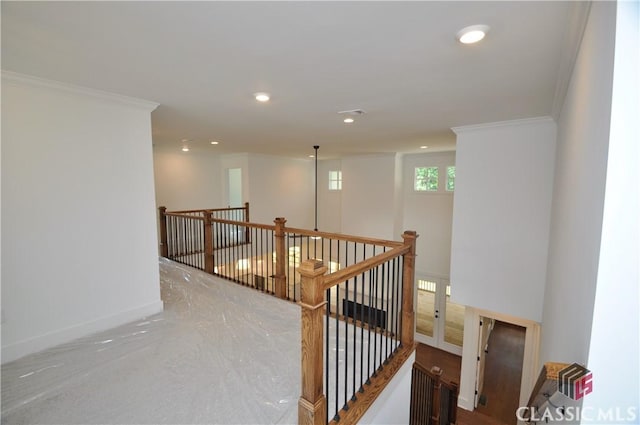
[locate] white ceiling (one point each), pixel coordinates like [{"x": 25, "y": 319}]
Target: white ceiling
[{"x": 202, "y": 61}]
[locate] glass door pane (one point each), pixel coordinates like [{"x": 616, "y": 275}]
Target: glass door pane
[
  {"x": 426, "y": 306},
  {"x": 454, "y": 320}
]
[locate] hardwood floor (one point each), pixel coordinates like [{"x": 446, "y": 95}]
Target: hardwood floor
[
  {"x": 450, "y": 364},
  {"x": 503, "y": 373}
]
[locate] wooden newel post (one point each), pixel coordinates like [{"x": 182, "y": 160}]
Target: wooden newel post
[
  {"x": 208, "y": 242},
  {"x": 312, "y": 406},
  {"x": 281, "y": 259},
  {"x": 246, "y": 220},
  {"x": 435, "y": 412},
  {"x": 408, "y": 278},
  {"x": 164, "y": 248}
]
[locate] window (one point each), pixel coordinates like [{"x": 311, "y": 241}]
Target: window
[
  {"x": 335, "y": 180},
  {"x": 451, "y": 178},
  {"x": 426, "y": 179},
  {"x": 427, "y": 285}
]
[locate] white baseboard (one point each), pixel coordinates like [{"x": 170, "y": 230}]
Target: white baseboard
[{"x": 34, "y": 344}]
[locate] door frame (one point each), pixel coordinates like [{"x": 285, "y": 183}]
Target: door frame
[
  {"x": 440, "y": 301},
  {"x": 468, "y": 373}
]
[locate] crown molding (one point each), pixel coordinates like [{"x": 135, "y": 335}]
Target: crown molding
[
  {"x": 9, "y": 76},
  {"x": 578, "y": 17},
  {"x": 497, "y": 124}
]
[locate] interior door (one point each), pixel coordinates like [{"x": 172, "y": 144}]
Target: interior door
[
  {"x": 486, "y": 325},
  {"x": 439, "y": 321}
]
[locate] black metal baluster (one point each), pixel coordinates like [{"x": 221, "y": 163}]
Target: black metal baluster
[
  {"x": 337, "y": 416},
  {"x": 364, "y": 254},
  {"x": 400, "y": 292},
  {"x": 375, "y": 320},
  {"x": 346, "y": 347},
  {"x": 345, "y": 303},
  {"x": 353, "y": 318},
  {"x": 326, "y": 349},
  {"x": 370, "y": 304}
]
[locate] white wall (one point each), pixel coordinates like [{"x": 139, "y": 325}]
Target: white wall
[
  {"x": 78, "y": 219},
  {"x": 368, "y": 196},
  {"x": 616, "y": 366},
  {"x": 187, "y": 180},
  {"x": 329, "y": 201},
  {"x": 393, "y": 404},
  {"x": 430, "y": 214},
  {"x": 240, "y": 161},
  {"x": 501, "y": 214},
  {"x": 281, "y": 187},
  {"x": 274, "y": 186},
  {"x": 576, "y": 220}
]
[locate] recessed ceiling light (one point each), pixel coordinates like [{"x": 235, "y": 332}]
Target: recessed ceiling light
[
  {"x": 185, "y": 149},
  {"x": 424, "y": 147},
  {"x": 262, "y": 97},
  {"x": 213, "y": 142},
  {"x": 472, "y": 34},
  {"x": 312, "y": 156},
  {"x": 348, "y": 120}
]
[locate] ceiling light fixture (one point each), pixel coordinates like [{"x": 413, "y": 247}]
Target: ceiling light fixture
[
  {"x": 351, "y": 113},
  {"x": 472, "y": 34},
  {"x": 185, "y": 149},
  {"x": 213, "y": 142},
  {"x": 262, "y": 97},
  {"x": 424, "y": 147}
]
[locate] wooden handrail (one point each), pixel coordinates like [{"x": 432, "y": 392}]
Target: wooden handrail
[
  {"x": 313, "y": 288},
  {"x": 356, "y": 269},
  {"x": 342, "y": 237},
  {"x": 315, "y": 284},
  {"x": 190, "y": 217},
  {"x": 209, "y": 209},
  {"x": 244, "y": 223},
  {"x": 358, "y": 408}
]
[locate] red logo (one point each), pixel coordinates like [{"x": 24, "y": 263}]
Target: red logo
[{"x": 575, "y": 381}]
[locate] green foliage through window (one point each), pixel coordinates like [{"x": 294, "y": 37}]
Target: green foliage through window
[
  {"x": 451, "y": 178},
  {"x": 426, "y": 179}
]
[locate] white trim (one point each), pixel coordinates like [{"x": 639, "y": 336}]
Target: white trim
[
  {"x": 22, "y": 348},
  {"x": 530, "y": 361},
  {"x": 511, "y": 123},
  {"x": 71, "y": 88}
]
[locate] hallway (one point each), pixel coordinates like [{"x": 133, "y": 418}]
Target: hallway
[{"x": 503, "y": 372}]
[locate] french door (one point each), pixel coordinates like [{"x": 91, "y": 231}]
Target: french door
[{"x": 439, "y": 322}]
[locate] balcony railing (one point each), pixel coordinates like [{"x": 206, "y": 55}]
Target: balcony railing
[{"x": 355, "y": 293}]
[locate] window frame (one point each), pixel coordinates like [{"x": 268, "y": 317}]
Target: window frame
[
  {"x": 446, "y": 183},
  {"x": 335, "y": 183},
  {"x": 426, "y": 190}
]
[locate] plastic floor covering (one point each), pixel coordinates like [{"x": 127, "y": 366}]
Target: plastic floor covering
[{"x": 219, "y": 353}]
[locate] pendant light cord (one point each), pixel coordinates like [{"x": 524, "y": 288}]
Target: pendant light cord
[{"x": 316, "y": 147}]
